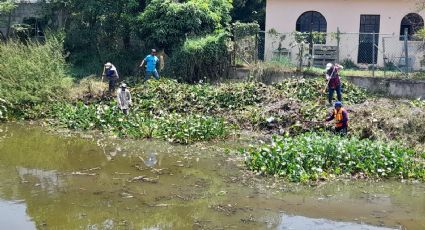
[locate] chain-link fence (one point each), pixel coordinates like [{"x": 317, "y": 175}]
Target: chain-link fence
[{"x": 360, "y": 53}]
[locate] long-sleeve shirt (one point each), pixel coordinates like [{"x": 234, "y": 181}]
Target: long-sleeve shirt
[
  {"x": 333, "y": 74},
  {"x": 344, "y": 120},
  {"x": 123, "y": 98},
  {"x": 112, "y": 73}
]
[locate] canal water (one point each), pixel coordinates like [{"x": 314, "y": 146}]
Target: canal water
[{"x": 57, "y": 180}]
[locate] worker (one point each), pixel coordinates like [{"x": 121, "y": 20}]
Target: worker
[
  {"x": 334, "y": 82},
  {"x": 151, "y": 61},
  {"x": 124, "y": 98},
  {"x": 341, "y": 119},
  {"x": 112, "y": 74}
]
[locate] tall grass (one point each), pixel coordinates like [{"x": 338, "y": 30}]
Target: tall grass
[{"x": 32, "y": 73}]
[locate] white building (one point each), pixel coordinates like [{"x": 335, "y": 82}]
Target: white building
[{"x": 388, "y": 18}]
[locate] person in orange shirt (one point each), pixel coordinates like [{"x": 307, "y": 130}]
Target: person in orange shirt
[{"x": 340, "y": 115}]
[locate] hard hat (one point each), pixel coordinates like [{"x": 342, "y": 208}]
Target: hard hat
[
  {"x": 338, "y": 104},
  {"x": 123, "y": 85},
  {"x": 328, "y": 66},
  {"x": 108, "y": 64}
]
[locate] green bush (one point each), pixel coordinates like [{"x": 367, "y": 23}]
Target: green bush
[
  {"x": 201, "y": 59},
  {"x": 167, "y": 23},
  {"x": 312, "y": 156},
  {"x": 32, "y": 73},
  {"x": 349, "y": 64}
]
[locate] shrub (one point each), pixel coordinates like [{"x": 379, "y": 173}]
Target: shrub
[
  {"x": 312, "y": 156},
  {"x": 166, "y": 23},
  {"x": 201, "y": 59},
  {"x": 349, "y": 64},
  {"x": 32, "y": 73}
]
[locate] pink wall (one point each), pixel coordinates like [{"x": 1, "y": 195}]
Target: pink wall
[
  {"x": 345, "y": 14},
  {"x": 281, "y": 15}
]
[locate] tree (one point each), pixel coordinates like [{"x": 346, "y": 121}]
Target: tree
[
  {"x": 99, "y": 31},
  {"x": 250, "y": 11},
  {"x": 166, "y": 24},
  {"x": 7, "y": 7}
]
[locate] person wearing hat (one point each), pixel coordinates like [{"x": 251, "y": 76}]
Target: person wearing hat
[
  {"x": 124, "y": 98},
  {"x": 151, "y": 61},
  {"x": 334, "y": 82},
  {"x": 112, "y": 74},
  {"x": 340, "y": 115}
]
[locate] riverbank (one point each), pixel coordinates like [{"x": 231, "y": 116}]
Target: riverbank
[{"x": 191, "y": 113}]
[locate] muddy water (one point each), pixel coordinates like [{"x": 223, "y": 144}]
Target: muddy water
[{"x": 51, "y": 181}]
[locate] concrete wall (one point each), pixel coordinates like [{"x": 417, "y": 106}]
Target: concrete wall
[
  {"x": 392, "y": 87},
  {"x": 282, "y": 15},
  {"x": 24, "y": 10},
  {"x": 412, "y": 89}
]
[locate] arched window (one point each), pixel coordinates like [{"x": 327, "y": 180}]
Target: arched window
[
  {"x": 311, "y": 21},
  {"x": 412, "y": 22}
]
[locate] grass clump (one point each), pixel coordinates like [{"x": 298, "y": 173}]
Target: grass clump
[{"x": 313, "y": 156}]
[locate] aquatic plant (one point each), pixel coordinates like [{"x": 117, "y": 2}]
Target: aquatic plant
[
  {"x": 107, "y": 117},
  {"x": 313, "y": 88},
  {"x": 314, "y": 156}
]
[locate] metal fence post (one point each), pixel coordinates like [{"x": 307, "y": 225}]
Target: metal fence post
[
  {"x": 406, "y": 50},
  {"x": 384, "y": 56},
  {"x": 373, "y": 53}
]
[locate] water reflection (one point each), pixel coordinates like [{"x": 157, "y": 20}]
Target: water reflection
[
  {"x": 47, "y": 180},
  {"x": 151, "y": 160},
  {"x": 74, "y": 183},
  {"x": 13, "y": 216},
  {"x": 302, "y": 223}
]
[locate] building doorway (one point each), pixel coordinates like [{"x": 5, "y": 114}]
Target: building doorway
[{"x": 369, "y": 39}]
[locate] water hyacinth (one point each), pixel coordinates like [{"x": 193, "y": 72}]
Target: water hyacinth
[
  {"x": 107, "y": 117},
  {"x": 309, "y": 89},
  {"x": 314, "y": 156}
]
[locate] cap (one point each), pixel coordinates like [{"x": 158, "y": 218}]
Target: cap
[{"x": 338, "y": 104}]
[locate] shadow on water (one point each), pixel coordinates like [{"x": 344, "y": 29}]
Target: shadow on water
[{"x": 49, "y": 181}]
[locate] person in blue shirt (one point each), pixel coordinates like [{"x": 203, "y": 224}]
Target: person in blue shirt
[{"x": 151, "y": 61}]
